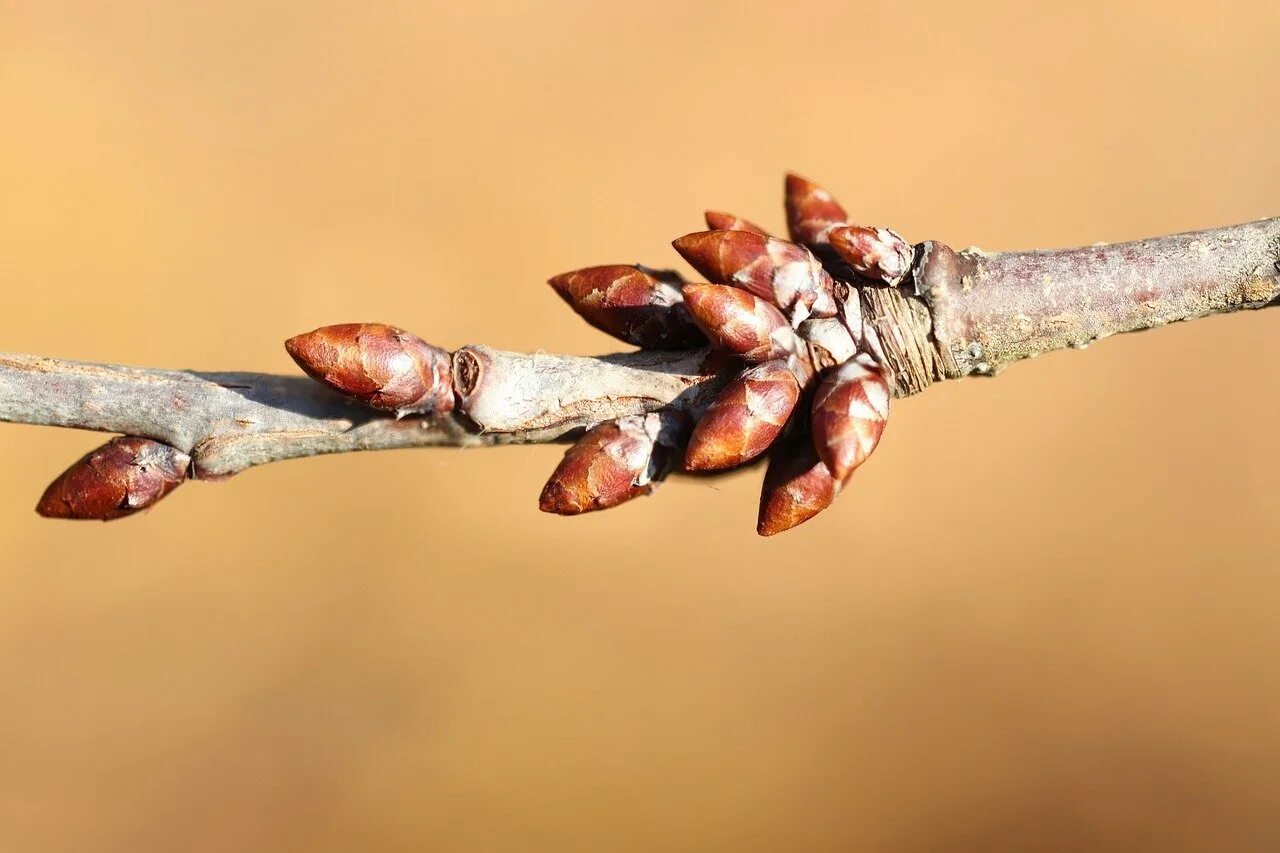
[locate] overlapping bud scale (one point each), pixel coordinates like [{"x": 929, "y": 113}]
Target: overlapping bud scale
[
  {"x": 123, "y": 476},
  {"x": 630, "y": 304},
  {"x": 779, "y": 271}
]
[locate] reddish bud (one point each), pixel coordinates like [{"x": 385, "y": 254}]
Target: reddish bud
[
  {"x": 611, "y": 464},
  {"x": 849, "y": 413},
  {"x": 744, "y": 419},
  {"x": 811, "y": 211},
  {"x": 877, "y": 253},
  {"x": 121, "y": 477},
  {"x": 720, "y": 221},
  {"x": 740, "y": 322},
  {"x": 797, "y": 486},
  {"x": 784, "y": 273},
  {"x": 629, "y": 304},
  {"x": 382, "y": 366}
]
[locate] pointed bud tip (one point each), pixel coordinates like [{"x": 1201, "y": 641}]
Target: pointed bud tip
[
  {"x": 124, "y": 476},
  {"x": 631, "y": 303},
  {"x": 797, "y": 184},
  {"x": 382, "y": 366},
  {"x": 718, "y": 220},
  {"x": 881, "y": 254},
  {"x": 558, "y": 500},
  {"x": 611, "y": 463},
  {"x": 797, "y": 486},
  {"x": 850, "y": 409},
  {"x": 740, "y": 322},
  {"x": 744, "y": 419}
]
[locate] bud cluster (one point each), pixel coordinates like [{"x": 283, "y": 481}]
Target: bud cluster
[
  {"x": 795, "y": 382},
  {"x": 770, "y": 304}
]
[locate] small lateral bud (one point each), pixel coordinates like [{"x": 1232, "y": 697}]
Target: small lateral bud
[
  {"x": 121, "y": 477},
  {"x": 740, "y": 322},
  {"x": 744, "y": 418},
  {"x": 877, "y": 253},
  {"x": 630, "y": 304},
  {"x": 381, "y": 366},
  {"x": 720, "y": 221},
  {"x": 850, "y": 409},
  {"x": 797, "y": 486},
  {"x": 784, "y": 273},
  {"x": 613, "y": 463},
  {"x": 811, "y": 211}
]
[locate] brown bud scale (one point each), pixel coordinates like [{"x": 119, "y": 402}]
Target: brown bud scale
[
  {"x": 744, "y": 419},
  {"x": 811, "y": 211},
  {"x": 121, "y": 477},
  {"x": 382, "y": 366},
  {"x": 630, "y": 304},
  {"x": 720, "y": 221},
  {"x": 850, "y": 409},
  {"x": 782, "y": 272},
  {"x": 740, "y": 322},
  {"x": 797, "y": 486},
  {"x": 877, "y": 253},
  {"x": 611, "y": 464}
]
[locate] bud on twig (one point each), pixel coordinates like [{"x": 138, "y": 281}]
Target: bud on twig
[
  {"x": 797, "y": 486},
  {"x": 720, "y": 221},
  {"x": 877, "y": 253},
  {"x": 121, "y": 477},
  {"x": 630, "y": 304},
  {"x": 382, "y": 366},
  {"x": 744, "y": 419},
  {"x": 849, "y": 413},
  {"x": 613, "y": 463},
  {"x": 784, "y": 273},
  {"x": 740, "y": 322},
  {"x": 811, "y": 211}
]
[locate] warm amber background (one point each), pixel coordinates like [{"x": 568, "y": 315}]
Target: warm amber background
[{"x": 1045, "y": 616}]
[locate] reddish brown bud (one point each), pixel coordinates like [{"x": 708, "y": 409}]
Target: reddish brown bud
[
  {"x": 811, "y": 211},
  {"x": 784, "y": 273},
  {"x": 740, "y": 322},
  {"x": 382, "y": 366},
  {"x": 744, "y": 419},
  {"x": 720, "y": 221},
  {"x": 629, "y": 304},
  {"x": 611, "y": 464},
  {"x": 797, "y": 486},
  {"x": 849, "y": 413},
  {"x": 877, "y": 253},
  {"x": 121, "y": 477}
]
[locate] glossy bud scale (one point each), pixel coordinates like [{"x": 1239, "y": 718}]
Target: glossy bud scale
[
  {"x": 382, "y": 366},
  {"x": 811, "y": 211},
  {"x": 783, "y": 273},
  {"x": 611, "y": 464},
  {"x": 720, "y": 221},
  {"x": 630, "y": 304},
  {"x": 740, "y": 322},
  {"x": 877, "y": 253},
  {"x": 797, "y": 486},
  {"x": 121, "y": 477},
  {"x": 744, "y": 419},
  {"x": 850, "y": 409}
]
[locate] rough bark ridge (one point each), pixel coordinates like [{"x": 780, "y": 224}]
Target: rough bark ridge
[{"x": 956, "y": 314}]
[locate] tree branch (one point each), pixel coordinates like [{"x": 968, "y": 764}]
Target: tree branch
[
  {"x": 957, "y": 314},
  {"x": 231, "y": 421}
]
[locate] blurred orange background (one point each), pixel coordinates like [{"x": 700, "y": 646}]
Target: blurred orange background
[{"x": 1044, "y": 617}]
